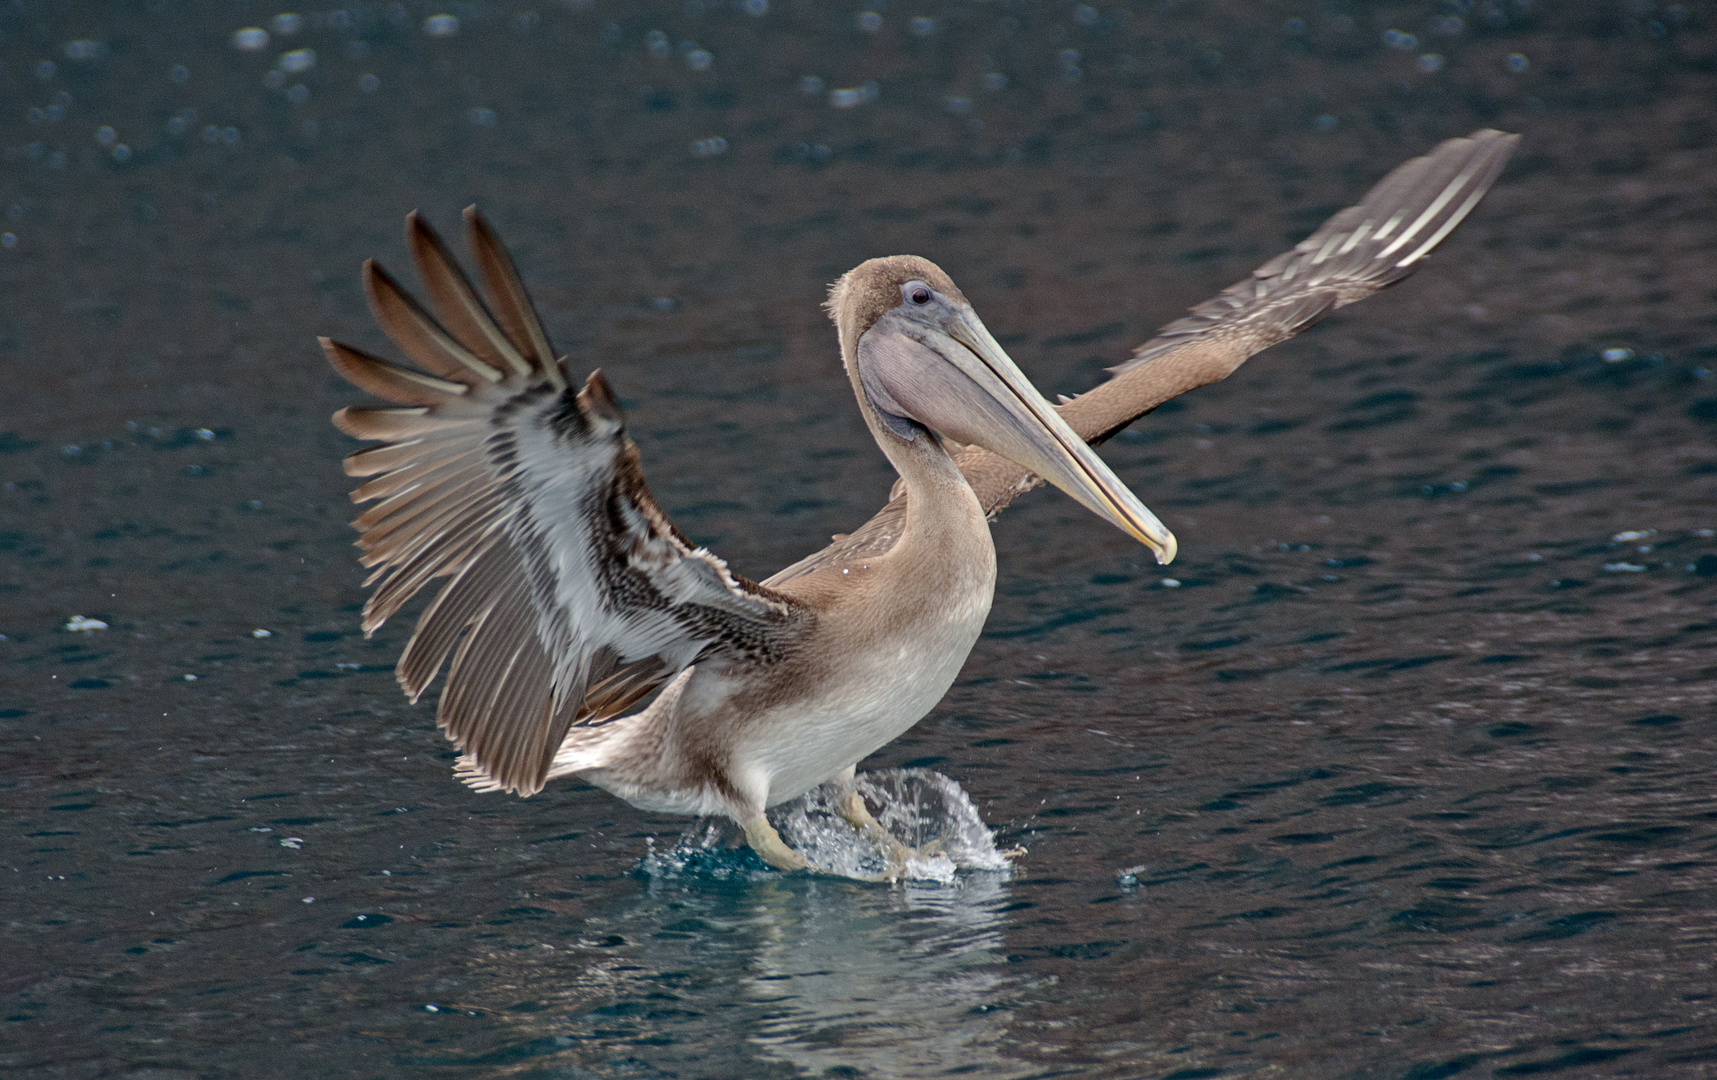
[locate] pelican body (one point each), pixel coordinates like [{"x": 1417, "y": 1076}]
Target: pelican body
[{"x": 568, "y": 599}]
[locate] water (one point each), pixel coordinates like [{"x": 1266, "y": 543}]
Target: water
[{"x": 1410, "y": 775}]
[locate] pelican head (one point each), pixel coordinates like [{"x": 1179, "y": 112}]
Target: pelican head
[{"x": 924, "y": 366}]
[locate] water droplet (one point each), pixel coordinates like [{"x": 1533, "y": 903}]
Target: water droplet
[
  {"x": 261, "y": 633},
  {"x": 922, "y": 26},
  {"x": 106, "y": 136},
  {"x": 45, "y": 70},
  {"x": 85, "y": 49},
  {"x": 298, "y": 60},
  {"x": 1399, "y": 39},
  {"x": 658, "y": 45},
  {"x": 1616, "y": 356},
  {"x": 298, "y": 94},
  {"x": 180, "y": 74},
  {"x": 995, "y": 80},
  {"x": 287, "y": 23},
  {"x": 250, "y": 39},
  {"x": 811, "y": 85},
  {"x": 699, "y": 59},
  {"x": 1517, "y": 62},
  {"x": 8, "y": 240},
  {"x": 1431, "y": 63},
  {"x": 369, "y": 84},
  {"x": 441, "y": 25},
  {"x": 122, "y": 153},
  {"x": 869, "y": 21}
]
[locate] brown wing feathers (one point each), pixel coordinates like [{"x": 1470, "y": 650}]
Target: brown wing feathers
[
  {"x": 562, "y": 575},
  {"x": 1357, "y": 252}
]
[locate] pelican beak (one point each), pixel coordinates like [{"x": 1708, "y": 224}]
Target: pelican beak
[{"x": 980, "y": 396}]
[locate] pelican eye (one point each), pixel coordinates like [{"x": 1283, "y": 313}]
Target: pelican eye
[{"x": 917, "y": 292}]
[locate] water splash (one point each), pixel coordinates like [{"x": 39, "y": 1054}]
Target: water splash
[{"x": 922, "y": 809}]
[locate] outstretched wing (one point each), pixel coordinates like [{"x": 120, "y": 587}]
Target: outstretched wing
[
  {"x": 1358, "y": 252},
  {"x": 568, "y": 595}
]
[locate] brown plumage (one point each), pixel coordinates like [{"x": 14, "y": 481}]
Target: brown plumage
[{"x": 566, "y": 597}]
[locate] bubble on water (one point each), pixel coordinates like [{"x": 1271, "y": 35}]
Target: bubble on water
[
  {"x": 1431, "y": 63},
  {"x": 297, "y": 61},
  {"x": 85, "y": 49},
  {"x": 79, "y": 624},
  {"x": 483, "y": 117},
  {"x": 922, "y": 26},
  {"x": 995, "y": 80},
  {"x": 180, "y": 74},
  {"x": 811, "y": 85},
  {"x": 287, "y": 23},
  {"x": 369, "y": 84},
  {"x": 699, "y": 59},
  {"x": 869, "y": 21},
  {"x": 848, "y": 97},
  {"x": 441, "y": 25},
  {"x": 658, "y": 45},
  {"x": 250, "y": 39},
  {"x": 1517, "y": 62},
  {"x": 298, "y": 94}
]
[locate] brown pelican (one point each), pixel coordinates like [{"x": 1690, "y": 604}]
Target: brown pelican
[{"x": 570, "y": 598}]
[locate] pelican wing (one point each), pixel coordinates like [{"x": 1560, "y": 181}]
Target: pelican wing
[
  {"x": 1358, "y": 252},
  {"x": 566, "y": 594}
]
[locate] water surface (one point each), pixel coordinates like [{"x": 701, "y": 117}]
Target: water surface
[{"x": 1409, "y": 776}]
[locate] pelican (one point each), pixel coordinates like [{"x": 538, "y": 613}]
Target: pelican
[{"x": 567, "y": 598}]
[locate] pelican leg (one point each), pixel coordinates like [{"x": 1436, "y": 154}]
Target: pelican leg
[
  {"x": 770, "y": 847},
  {"x": 852, "y": 807}
]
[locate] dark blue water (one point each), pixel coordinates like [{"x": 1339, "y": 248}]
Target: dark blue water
[{"x": 1410, "y": 776}]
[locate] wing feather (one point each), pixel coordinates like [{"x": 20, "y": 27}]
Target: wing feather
[
  {"x": 1356, "y": 253},
  {"x": 566, "y": 593}
]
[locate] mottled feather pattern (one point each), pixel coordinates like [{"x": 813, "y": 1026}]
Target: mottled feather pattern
[{"x": 567, "y": 594}]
